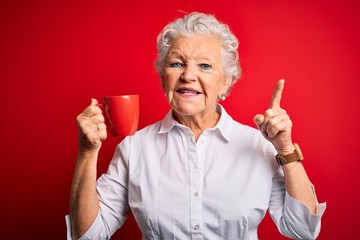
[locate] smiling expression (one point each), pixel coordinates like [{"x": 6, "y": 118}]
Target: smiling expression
[{"x": 193, "y": 76}]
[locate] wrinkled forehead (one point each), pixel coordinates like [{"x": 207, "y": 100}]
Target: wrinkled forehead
[{"x": 200, "y": 46}]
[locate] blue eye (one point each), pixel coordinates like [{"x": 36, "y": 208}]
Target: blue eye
[
  {"x": 176, "y": 65},
  {"x": 205, "y": 66}
]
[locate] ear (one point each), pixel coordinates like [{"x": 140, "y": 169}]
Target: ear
[{"x": 227, "y": 84}]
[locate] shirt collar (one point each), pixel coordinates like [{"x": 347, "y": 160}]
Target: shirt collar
[
  {"x": 168, "y": 122},
  {"x": 224, "y": 125}
]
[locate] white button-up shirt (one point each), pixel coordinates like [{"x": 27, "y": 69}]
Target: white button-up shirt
[{"x": 218, "y": 187}]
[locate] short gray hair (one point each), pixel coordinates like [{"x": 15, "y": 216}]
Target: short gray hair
[{"x": 201, "y": 24}]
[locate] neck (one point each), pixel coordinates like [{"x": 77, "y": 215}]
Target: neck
[{"x": 198, "y": 123}]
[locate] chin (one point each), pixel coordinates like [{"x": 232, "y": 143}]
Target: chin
[{"x": 184, "y": 111}]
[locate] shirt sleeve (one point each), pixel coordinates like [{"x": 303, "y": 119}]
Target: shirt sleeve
[
  {"x": 292, "y": 217},
  {"x": 94, "y": 232},
  {"x": 113, "y": 195}
]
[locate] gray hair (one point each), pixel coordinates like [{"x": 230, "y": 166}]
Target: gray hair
[{"x": 201, "y": 24}]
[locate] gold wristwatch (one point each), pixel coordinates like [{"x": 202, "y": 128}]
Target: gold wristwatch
[{"x": 292, "y": 157}]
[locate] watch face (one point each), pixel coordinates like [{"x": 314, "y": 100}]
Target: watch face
[{"x": 280, "y": 160}]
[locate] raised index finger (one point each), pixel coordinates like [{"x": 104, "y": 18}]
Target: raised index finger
[{"x": 276, "y": 97}]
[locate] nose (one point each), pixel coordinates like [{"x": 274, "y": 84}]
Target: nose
[{"x": 189, "y": 73}]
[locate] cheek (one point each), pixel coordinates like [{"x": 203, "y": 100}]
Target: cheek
[
  {"x": 213, "y": 89},
  {"x": 166, "y": 82},
  {"x": 163, "y": 84},
  {"x": 166, "y": 86}
]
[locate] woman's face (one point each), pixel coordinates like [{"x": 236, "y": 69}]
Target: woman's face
[{"x": 193, "y": 76}]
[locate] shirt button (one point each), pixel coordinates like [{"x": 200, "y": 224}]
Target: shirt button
[
  {"x": 196, "y": 194},
  {"x": 196, "y": 227}
]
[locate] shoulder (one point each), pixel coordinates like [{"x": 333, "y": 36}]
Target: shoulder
[
  {"x": 245, "y": 131},
  {"x": 149, "y": 130},
  {"x": 145, "y": 135},
  {"x": 253, "y": 140}
]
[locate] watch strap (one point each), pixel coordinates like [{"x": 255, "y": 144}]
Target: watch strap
[{"x": 292, "y": 157}]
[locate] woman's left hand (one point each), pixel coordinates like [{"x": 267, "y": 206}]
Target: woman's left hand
[{"x": 275, "y": 123}]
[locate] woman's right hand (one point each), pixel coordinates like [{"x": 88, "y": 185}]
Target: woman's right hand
[{"x": 91, "y": 127}]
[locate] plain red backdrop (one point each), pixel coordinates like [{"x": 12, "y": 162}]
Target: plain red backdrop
[{"x": 56, "y": 55}]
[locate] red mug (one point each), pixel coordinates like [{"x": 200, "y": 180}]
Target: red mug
[{"x": 121, "y": 114}]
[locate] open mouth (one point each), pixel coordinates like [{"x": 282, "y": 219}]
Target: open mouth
[{"x": 188, "y": 91}]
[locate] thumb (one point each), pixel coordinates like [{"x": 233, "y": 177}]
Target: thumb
[
  {"x": 258, "y": 120},
  {"x": 94, "y": 102}
]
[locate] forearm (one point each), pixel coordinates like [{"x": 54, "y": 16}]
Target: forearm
[
  {"x": 299, "y": 186},
  {"x": 84, "y": 201}
]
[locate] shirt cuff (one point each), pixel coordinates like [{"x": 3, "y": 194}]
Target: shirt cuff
[
  {"x": 68, "y": 227},
  {"x": 301, "y": 212},
  {"x": 92, "y": 231}
]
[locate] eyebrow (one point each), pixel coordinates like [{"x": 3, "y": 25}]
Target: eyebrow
[
  {"x": 174, "y": 53},
  {"x": 201, "y": 56},
  {"x": 205, "y": 56}
]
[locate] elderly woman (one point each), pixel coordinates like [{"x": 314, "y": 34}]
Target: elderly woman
[{"x": 197, "y": 174}]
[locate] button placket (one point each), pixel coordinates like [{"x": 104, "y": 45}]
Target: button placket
[{"x": 195, "y": 171}]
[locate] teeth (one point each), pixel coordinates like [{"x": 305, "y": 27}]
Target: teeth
[{"x": 186, "y": 91}]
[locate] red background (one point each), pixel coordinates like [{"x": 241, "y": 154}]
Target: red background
[{"x": 56, "y": 55}]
